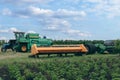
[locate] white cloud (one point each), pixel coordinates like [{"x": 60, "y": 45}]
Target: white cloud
[
  {"x": 78, "y": 33},
  {"x": 38, "y": 11},
  {"x": 3, "y": 38},
  {"x": 12, "y": 29},
  {"x": 60, "y": 13},
  {"x": 4, "y": 31},
  {"x": 70, "y": 13},
  {"x": 6, "y": 11},
  {"x": 23, "y": 16},
  {"x": 34, "y": 1},
  {"x": 95, "y": 1},
  {"x": 33, "y": 11},
  {"x": 53, "y": 24},
  {"x": 63, "y": 26},
  {"x": 109, "y": 8},
  {"x": 21, "y": 2},
  {"x": 52, "y": 20},
  {"x": 31, "y": 31}
]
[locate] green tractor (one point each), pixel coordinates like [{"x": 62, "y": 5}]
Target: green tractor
[
  {"x": 23, "y": 42},
  {"x": 108, "y": 46}
]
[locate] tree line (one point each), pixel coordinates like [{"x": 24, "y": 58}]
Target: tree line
[
  {"x": 61, "y": 42},
  {"x": 2, "y": 42}
]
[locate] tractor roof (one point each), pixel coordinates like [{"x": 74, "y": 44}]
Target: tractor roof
[{"x": 19, "y": 32}]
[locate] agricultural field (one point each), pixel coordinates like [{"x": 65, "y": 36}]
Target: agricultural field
[{"x": 17, "y": 66}]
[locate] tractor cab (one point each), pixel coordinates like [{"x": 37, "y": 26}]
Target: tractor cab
[
  {"x": 110, "y": 45},
  {"x": 21, "y": 42},
  {"x": 19, "y": 35}
]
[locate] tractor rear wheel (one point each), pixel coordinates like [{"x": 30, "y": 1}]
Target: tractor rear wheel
[
  {"x": 91, "y": 48},
  {"x": 3, "y": 50},
  {"x": 24, "y": 48}
]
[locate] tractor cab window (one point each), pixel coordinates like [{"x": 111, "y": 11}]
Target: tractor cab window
[{"x": 19, "y": 36}]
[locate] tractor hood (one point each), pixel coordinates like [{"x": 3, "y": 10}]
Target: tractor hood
[{"x": 23, "y": 40}]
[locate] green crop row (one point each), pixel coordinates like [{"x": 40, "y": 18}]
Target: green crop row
[{"x": 106, "y": 68}]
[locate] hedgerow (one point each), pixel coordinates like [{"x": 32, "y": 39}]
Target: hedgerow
[{"x": 89, "y": 68}]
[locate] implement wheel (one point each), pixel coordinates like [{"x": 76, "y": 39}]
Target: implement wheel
[{"x": 78, "y": 54}]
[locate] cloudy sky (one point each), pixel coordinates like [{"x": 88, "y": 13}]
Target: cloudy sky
[{"x": 61, "y": 19}]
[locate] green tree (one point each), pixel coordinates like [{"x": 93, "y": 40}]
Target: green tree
[
  {"x": 2, "y": 42},
  {"x": 117, "y": 46}
]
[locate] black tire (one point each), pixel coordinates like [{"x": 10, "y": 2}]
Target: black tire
[
  {"x": 3, "y": 50},
  {"x": 91, "y": 48}
]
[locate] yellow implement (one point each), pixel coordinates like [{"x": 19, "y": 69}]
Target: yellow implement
[{"x": 58, "y": 50}]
